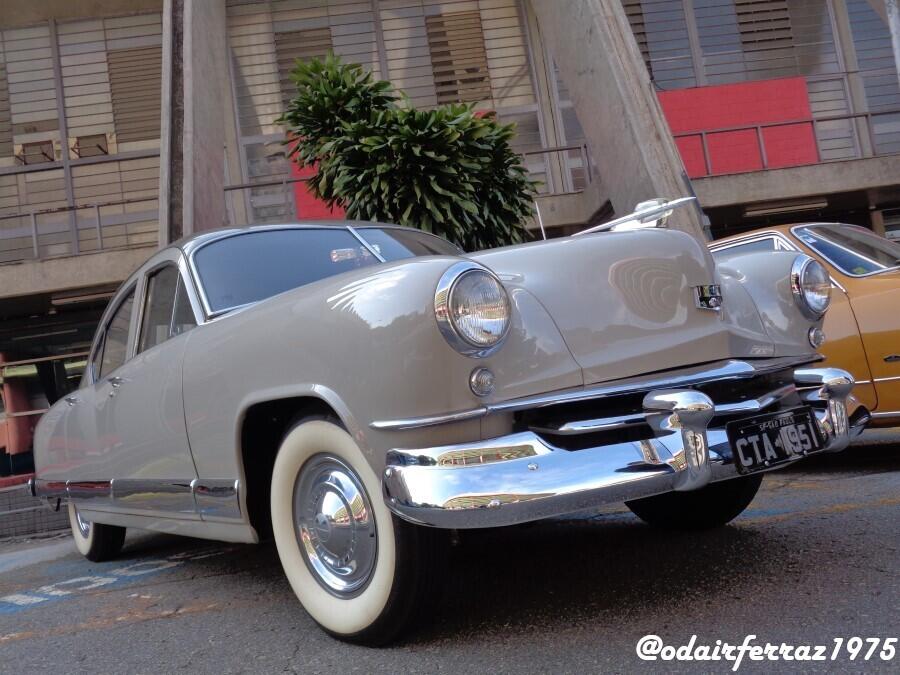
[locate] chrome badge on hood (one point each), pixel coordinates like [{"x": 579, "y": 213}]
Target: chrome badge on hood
[{"x": 709, "y": 297}]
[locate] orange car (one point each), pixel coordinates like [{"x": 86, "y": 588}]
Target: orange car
[{"x": 862, "y": 326}]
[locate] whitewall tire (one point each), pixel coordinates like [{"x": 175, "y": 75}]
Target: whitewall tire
[
  {"x": 360, "y": 572},
  {"x": 95, "y": 541}
]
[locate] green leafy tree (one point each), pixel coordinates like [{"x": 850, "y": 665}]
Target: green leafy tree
[{"x": 448, "y": 170}]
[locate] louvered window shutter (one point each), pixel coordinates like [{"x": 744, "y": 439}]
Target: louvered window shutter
[
  {"x": 458, "y": 57},
  {"x": 6, "y": 138},
  {"x": 764, "y": 24},
  {"x": 134, "y": 80},
  {"x": 636, "y": 19},
  {"x": 314, "y": 43}
]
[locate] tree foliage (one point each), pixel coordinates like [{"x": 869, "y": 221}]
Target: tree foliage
[{"x": 448, "y": 170}]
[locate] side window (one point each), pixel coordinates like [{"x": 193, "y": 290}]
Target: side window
[
  {"x": 757, "y": 246},
  {"x": 159, "y": 305},
  {"x": 183, "y": 319},
  {"x": 115, "y": 346},
  {"x": 167, "y": 311}
]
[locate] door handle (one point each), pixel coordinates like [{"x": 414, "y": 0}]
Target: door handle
[
  {"x": 71, "y": 400},
  {"x": 893, "y": 358},
  {"x": 116, "y": 381}
]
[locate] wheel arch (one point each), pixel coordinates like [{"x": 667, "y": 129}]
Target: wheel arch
[{"x": 261, "y": 428}]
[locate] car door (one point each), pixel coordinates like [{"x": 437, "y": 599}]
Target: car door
[
  {"x": 876, "y": 303},
  {"x": 142, "y": 412}
]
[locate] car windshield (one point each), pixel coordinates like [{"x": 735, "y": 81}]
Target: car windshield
[
  {"x": 854, "y": 250},
  {"x": 249, "y": 267},
  {"x": 394, "y": 243}
]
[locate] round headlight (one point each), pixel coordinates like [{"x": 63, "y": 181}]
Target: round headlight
[
  {"x": 472, "y": 309},
  {"x": 811, "y": 286}
]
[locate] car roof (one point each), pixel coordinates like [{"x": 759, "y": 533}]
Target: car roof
[{"x": 783, "y": 229}]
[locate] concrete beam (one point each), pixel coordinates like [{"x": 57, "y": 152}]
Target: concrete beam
[
  {"x": 33, "y": 277},
  {"x": 18, "y": 13},
  {"x": 798, "y": 181},
  {"x": 593, "y": 45}
]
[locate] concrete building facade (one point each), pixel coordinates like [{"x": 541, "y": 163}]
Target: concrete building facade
[{"x": 125, "y": 124}]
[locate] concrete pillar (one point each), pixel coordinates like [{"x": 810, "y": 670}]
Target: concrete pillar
[
  {"x": 893, "y": 17},
  {"x": 630, "y": 141},
  {"x": 857, "y": 88},
  {"x": 876, "y": 218},
  {"x": 195, "y": 98}
]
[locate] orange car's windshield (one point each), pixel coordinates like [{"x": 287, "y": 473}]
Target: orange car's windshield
[{"x": 855, "y": 251}]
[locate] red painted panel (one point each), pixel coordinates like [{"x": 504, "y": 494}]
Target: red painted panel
[
  {"x": 745, "y": 104},
  {"x": 734, "y": 151},
  {"x": 691, "y": 149},
  {"x": 305, "y": 203},
  {"x": 792, "y": 145}
]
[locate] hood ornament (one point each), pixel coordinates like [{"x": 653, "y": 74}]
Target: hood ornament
[{"x": 649, "y": 214}]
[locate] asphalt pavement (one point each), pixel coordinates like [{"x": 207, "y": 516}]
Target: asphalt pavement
[{"x": 816, "y": 559}]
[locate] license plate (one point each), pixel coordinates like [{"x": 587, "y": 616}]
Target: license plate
[{"x": 769, "y": 440}]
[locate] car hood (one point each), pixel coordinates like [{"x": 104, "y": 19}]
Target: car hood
[{"x": 625, "y": 303}]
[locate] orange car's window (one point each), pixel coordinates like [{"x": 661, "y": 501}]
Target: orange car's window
[{"x": 854, "y": 250}]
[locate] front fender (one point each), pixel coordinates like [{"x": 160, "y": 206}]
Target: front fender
[{"x": 765, "y": 278}]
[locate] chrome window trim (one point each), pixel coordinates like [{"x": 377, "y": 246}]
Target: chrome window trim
[
  {"x": 729, "y": 369},
  {"x": 776, "y": 237},
  {"x": 142, "y": 316},
  {"x": 368, "y": 246},
  {"x": 388, "y": 226},
  {"x": 114, "y": 305},
  {"x": 830, "y": 261}
]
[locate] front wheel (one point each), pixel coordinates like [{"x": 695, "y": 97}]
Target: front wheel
[
  {"x": 360, "y": 572},
  {"x": 95, "y": 541},
  {"x": 712, "y": 506}
]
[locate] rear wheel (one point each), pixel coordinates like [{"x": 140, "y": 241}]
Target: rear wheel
[
  {"x": 95, "y": 541},
  {"x": 360, "y": 572},
  {"x": 703, "y": 509}
]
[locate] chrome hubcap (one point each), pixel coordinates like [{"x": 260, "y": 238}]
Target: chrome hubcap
[
  {"x": 84, "y": 526},
  {"x": 335, "y": 525}
]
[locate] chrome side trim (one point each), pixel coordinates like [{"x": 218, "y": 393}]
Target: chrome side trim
[
  {"x": 86, "y": 489},
  {"x": 886, "y": 414},
  {"x": 434, "y": 420},
  {"x": 217, "y": 498},
  {"x": 214, "y": 498},
  {"x": 153, "y": 494},
  {"x": 731, "y": 369}
]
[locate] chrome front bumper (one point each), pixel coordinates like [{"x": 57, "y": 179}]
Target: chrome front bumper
[{"x": 523, "y": 477}]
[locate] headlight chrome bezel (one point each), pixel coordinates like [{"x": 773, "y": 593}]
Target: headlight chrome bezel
[
  {"x": 799, "y": 271},
  {"x": 442, "y": 297}
]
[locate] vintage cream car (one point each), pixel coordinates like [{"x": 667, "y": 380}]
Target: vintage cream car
[{"x": 357, "y": 391}]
